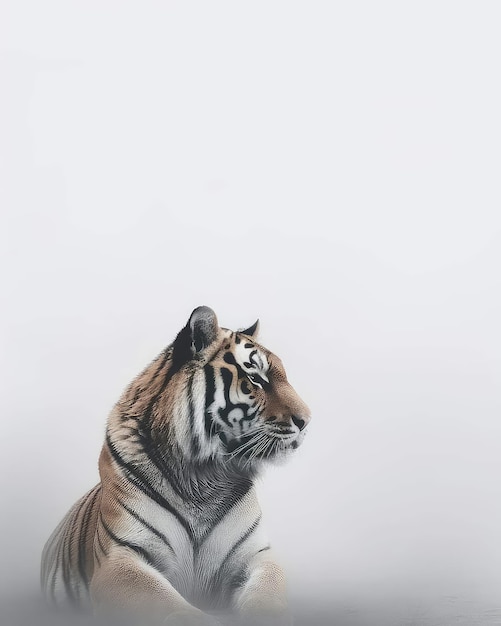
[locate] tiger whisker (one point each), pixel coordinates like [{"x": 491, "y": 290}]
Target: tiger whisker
[
  {"x": 274, "y": 443},
  {"x": 241, "y": 448},
  {"x": 261, "y": 446},
  {"x": 257, "y": 444}
]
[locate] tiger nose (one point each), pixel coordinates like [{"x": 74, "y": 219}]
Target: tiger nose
[{"x": 299, "y": 421}]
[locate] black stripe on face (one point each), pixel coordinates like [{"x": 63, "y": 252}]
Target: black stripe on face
[
  {"x": 227, "y": 380},
  {"x": 223, "y": 412},
  {"x": 141, "y": 519},
  {"x": 229, "y": 358},
  {"x": 249, "y": 413},
  {"x": 210, "y": 392},
  {"x": 141, "y": 482}
]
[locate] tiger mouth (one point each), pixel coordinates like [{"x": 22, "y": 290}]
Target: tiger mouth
[{"x": 281, "y": 431}]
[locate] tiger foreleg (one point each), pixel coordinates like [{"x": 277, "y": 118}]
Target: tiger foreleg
[
  {"x": 263, "y": 597},
  {"x": 124, "y": 584}
]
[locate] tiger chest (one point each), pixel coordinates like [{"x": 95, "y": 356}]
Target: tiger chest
[{"x": 204, "y": 557}]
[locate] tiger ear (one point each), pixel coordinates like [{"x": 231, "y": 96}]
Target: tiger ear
[
  {"x": 252, "y": 331},
  {"x": 203, "y": 327}
]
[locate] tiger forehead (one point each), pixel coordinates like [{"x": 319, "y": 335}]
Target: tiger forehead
[{"x": 248, "y": 355}]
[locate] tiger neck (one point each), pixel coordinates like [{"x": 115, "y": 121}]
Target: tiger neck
[
  {"x": 203, "y": 483},
  {"x": 197, "y": 484},
  {"x": 199, "y": 496},
  {"x": 212, "y": 486}
]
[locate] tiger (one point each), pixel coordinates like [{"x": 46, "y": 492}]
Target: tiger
[{"x": 174, "y": 526}]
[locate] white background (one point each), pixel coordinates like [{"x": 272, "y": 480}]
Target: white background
[{"x": 330, "y": 167}]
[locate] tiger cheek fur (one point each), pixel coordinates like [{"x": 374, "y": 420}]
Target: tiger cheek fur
[{"x": 174, "y": 526}]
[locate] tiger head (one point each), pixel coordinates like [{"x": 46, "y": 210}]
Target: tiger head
[{"x": 240, "y": 404}]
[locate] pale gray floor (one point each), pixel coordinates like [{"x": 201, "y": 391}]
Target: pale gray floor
[{"x": 444, "y": 611}]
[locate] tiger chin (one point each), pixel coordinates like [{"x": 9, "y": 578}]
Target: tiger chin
[{"x": 173, "y": 530}]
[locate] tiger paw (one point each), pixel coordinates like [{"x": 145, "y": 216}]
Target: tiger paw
[{"x": 191, "y": 618}]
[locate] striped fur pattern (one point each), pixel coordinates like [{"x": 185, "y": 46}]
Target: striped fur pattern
[{"x": 175, "y": 524}]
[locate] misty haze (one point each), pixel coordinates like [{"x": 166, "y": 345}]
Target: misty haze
[{"x": 331, "y": 168}]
